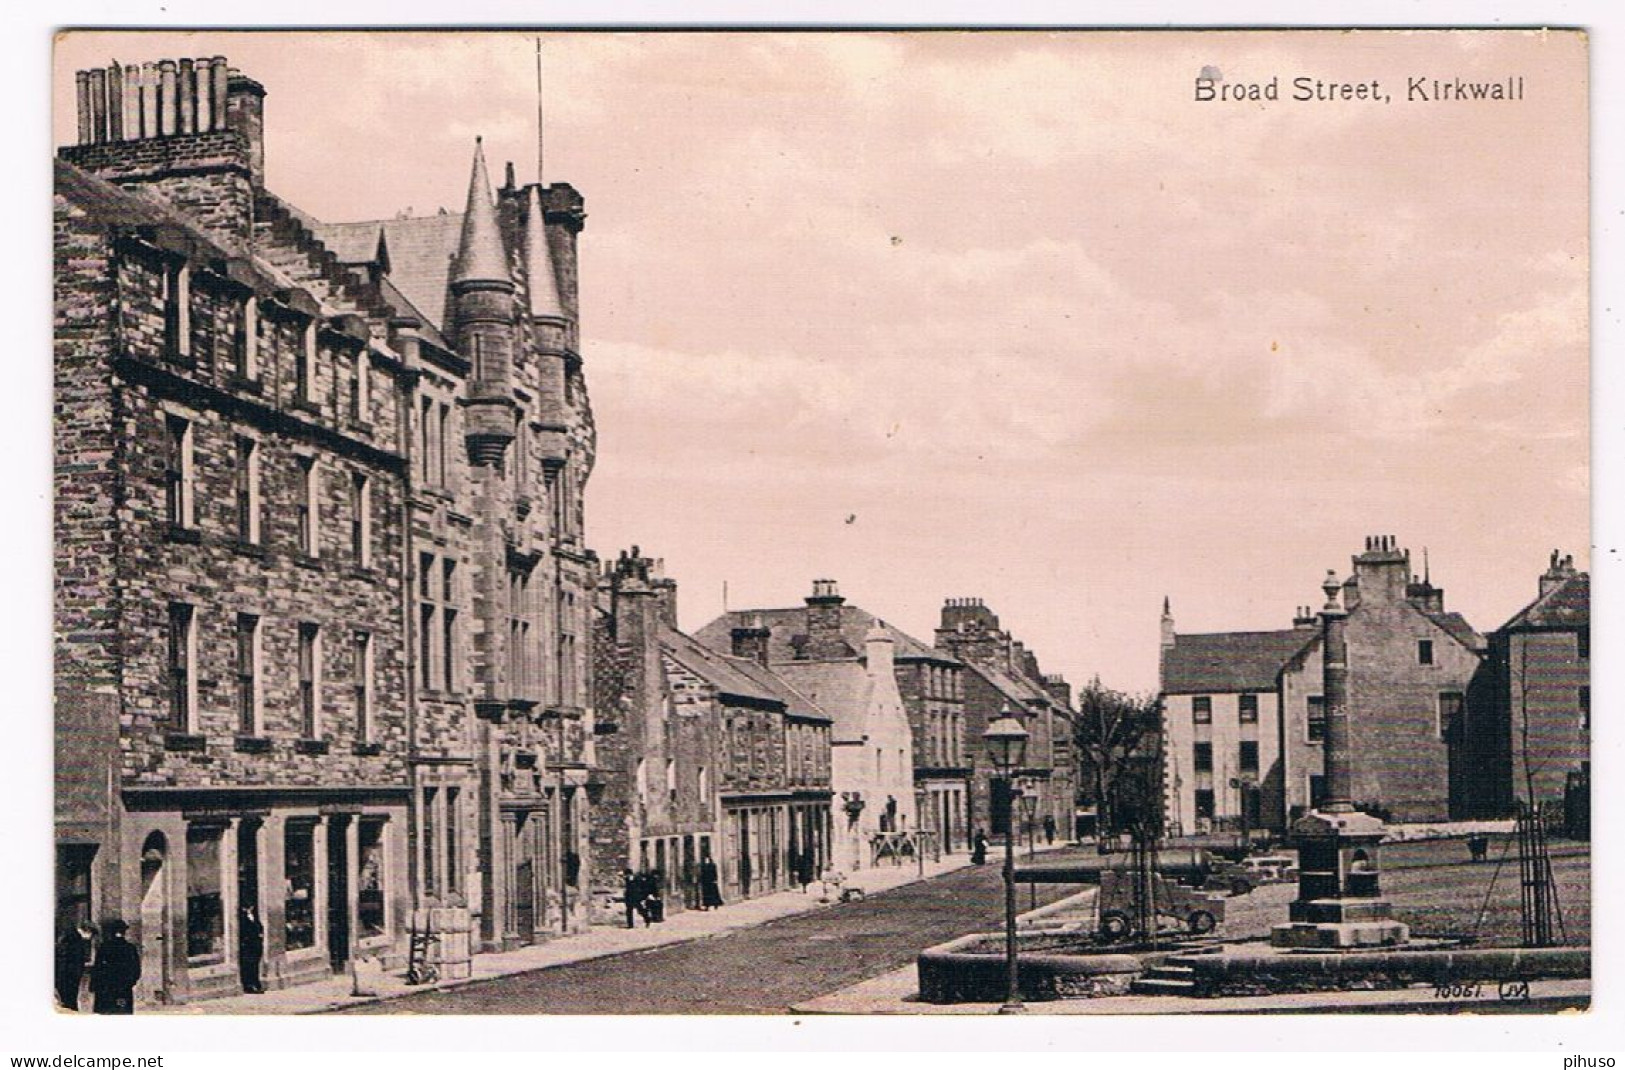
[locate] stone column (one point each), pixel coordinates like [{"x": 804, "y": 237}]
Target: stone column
[{"x": 1335, "y": 686}]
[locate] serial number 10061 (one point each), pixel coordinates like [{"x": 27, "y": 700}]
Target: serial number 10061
[{"x": 1506, "y": 991}]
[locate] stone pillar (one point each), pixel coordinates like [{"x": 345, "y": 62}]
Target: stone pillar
[{"x": 1339, "y": 902}]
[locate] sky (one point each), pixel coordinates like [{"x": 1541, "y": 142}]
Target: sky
[{"x": 1012, "y": 315}]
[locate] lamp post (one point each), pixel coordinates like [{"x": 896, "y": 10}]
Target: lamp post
[
  {"x": 1029, "y": 810},
  {"x": 921, "y": 795},
  {"x": 1006, "y": 743}
]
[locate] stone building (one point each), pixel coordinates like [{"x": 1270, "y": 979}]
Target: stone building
[
  {"x": 1002, "y": 676},
  {"x": 1244, "y": 713},
  {"x": 701, "y": 754},
  {"x": 886, "y": 693},
  {"x": 1528, "y": 729},
  {"x": 319, "y": 570}
]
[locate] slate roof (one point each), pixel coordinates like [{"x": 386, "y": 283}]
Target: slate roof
[
  {"x": 789, "y": 630},
  {"x": 740, "y": 677},
  {"x": 1567, "y": 605},
  {"x": 420, "y": 252},
  {"x": 1459, "y": 629},
  {"x": 352, "y": 243},
  {"x": 1230, "y": 661}
]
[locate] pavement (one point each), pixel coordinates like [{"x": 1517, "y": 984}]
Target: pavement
[
  {"x": 895, "y": 993},
  {"x": 596, "y": 943}
]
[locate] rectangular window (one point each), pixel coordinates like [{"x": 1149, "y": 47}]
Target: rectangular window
[
  {"x": 248, "y": 674},
  {"x": 453, "y": 869},
  {"x": 443, "y": 430},
  {"x": 448, "y": 625},
  {"x": 370, "y": 878},
  {"x": 305, "y": 366},
  {"x": 361, "y": 519},
  {"x": 182, "y": 658},
  {"x": 178, "y": 312},
  {"x": 299, "y": 882},
  {"x": 310, "y": 683},
  {"x": 1317, "y": 790},
  {"x": 1450, "y": 709},
  {"x": 1204, "y": 804},
  {"x": 1424, "y": 652},
  {"x": 362, "y": 657},
  {"x": 246, "y": 344},
  {"x": 310, "y": 508},
  {"x": 178, "y": 472},
  {"x": 247, "y": 479},
  {"x": 1247, "y": 709},
  {"x": 205, "y": 911},
  {"x": 1582, "y": 644},
  {"x": 1249, "y": 756},
  {"x": 429, "y": 844},
  {"x": 1203, "y": 756},
  {"x": 427, "y": 632},
  {"x": 1316, "y": 722},
  {"x": 360, "y": 388},
  {"x": 1585, "y": 707},
  {"x": 1202, "y": 709},
  {"x": 425, "y": 440}
]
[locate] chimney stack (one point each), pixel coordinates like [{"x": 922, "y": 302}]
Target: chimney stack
[{"x": 824, "y": 638}]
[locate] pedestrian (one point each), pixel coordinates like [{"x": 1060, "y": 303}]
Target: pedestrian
[
  {"x": 116, "y": 970},
  {"x": 654, "y": 898},
  {"x": 978, "y": 848},
  {"x": 1049, "y": 829},
  {"x": 73, "y": 949},
  {"x": 250, "y": 949},
  {"x": 710, "y": 884},
  {"x": 631, "y": 896}
]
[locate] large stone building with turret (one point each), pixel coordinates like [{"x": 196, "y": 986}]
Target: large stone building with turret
[{"x": 323, "y": 605}]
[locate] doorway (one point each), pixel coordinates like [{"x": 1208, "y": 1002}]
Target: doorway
[
  {"x": 155, "y": 976},
  {"x": 524, "y": 878},
  {"x": 338, "y": 892}
]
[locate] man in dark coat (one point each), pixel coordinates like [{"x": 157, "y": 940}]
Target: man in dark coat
[
  {"x": 710, "y": 884},
  {"x": 115, "y": 972},
  {"x": 1049, "y": 829},
  {"x": 250, "y": 949},
  {"x": 631, "y": 896},
  {"x": 978, "y": 848},
  {"x": 72, "y": 953}
]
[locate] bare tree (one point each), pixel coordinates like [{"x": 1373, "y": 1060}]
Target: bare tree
[{"x": 1118, "y": 737}]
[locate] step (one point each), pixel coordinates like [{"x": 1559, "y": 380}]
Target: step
[
  {"x": 1159, "y": 986},
  {"x": 1186, "y": 972}
]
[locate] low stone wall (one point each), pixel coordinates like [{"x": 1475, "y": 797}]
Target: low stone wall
[
  {"x": 952, "y": 973},
  {"x": 1251, "y": 975}
]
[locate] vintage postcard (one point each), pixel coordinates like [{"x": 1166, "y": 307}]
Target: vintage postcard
[{"x": 912, "y": 523}]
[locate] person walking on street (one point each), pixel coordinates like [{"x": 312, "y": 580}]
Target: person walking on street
[
  {"x": 978, "y": 848},
  {"x": 1049, "y": 829},
  {"x": 73, "y": 949},
  {"x": 250, "y": 949},
  {"x": 710, "y": 885},
  {"x": 116, "y": 970}
]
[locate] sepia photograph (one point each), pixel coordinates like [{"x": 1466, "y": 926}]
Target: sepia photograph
[{"x": 923, "y": 523}]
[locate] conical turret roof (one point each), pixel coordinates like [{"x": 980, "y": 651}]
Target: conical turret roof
[
  {"x": 544, "y": 283},
  {"x": 480, "y": 255}
]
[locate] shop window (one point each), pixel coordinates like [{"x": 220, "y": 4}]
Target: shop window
[
  {"x": 205, "y": 908},
  {"x": 299, "y": 876},
  {"x": 370, "y": 878}
]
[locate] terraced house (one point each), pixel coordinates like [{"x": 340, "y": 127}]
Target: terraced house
[{"x": 321, "y": 592}]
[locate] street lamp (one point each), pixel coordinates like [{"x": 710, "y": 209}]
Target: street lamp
[
  {"x": 1006, "y": 743},
  {"x": 1029, "y": 810}
]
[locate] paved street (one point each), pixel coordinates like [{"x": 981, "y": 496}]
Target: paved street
[{"x": 764, "y": 970}]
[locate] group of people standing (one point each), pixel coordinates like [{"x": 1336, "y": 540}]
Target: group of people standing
[
  {"x": 112, "y": 962},
  {"x": 643, "y": 896}
]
